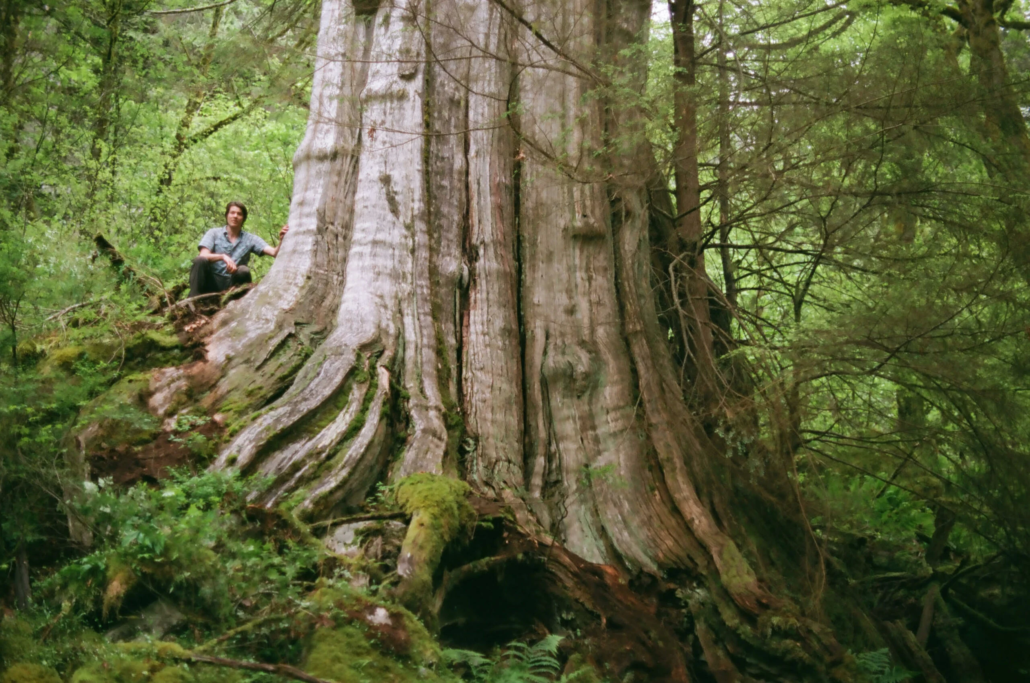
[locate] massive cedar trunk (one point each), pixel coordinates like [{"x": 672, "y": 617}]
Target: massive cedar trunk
[{"x": 466, "y": 290}]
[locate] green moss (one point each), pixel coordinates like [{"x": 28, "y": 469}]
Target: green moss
[
  {"x": 119, "y": 416},
  {"x": 440, "y": 513},
  {"x": 138, "y": 662},
  {"x": 116, "y": 670},
  {"x": 120, "y": 579},
  {"x": 16, "y": 641},
  {"x": 152, "y": 341},
  {"x": 63, "y": 358},
  {"x": 346, "y": 654},
  {"x": 28, "y": 351},
  {"x": 419, "y": 647},
  {"x": 734, "y": 571},
  {"x": 30, "y": 673},
  {"x": 173, "y": 674}
]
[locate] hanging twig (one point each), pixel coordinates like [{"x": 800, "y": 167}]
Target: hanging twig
[{"x": 187, "y": 10}]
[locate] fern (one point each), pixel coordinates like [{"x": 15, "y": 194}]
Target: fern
[
  {"x": 877, "y": 667},
  {"x": 517, "y": 663}
]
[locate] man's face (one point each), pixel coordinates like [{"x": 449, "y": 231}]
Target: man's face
[{"x": 234, "y": 218}]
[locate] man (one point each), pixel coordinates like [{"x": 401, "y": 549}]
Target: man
[{"x": 224, "y": 252}]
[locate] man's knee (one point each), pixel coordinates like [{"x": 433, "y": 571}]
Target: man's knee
[
  {"x": 242, "y": 275},
  {"x": 200, "y": 262}
]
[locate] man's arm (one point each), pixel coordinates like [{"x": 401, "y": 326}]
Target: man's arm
[
  {"x": 274, "y": 251},
  {"x": 206, "y": 253}
]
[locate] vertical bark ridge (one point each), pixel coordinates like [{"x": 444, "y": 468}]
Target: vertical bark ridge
[
  {"x": 491, "y": 372},
  {"x": 444, "y": 181}
]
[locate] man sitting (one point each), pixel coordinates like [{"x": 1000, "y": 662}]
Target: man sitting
[{"x": 224, "y": 252}]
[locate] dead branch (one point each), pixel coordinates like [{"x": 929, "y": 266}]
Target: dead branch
[
  {"x": 926, "y": 618},
  {"x": 71, "y": 308},
  {"x": 209, "y": 295},
  {"x": 280, "y": 669},
  {"x": 250, "y": 625}
]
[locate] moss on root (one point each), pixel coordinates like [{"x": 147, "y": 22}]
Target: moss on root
[{"x": 440, "y": 513}]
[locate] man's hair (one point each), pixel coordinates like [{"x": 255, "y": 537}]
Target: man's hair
[{"x": 238, "y": 205}]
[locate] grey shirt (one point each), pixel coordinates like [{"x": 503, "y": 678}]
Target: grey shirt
[{"x": 217, "y": 240}]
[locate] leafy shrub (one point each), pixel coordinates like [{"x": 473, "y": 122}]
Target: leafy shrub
[{"x": 190, "y": 539}]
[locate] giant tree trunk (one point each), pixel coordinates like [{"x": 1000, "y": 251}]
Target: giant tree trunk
[{"x": 466, "y": 291}]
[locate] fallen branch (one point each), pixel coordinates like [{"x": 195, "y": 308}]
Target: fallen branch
[
  {"x": 250, "y": 625},
  {"x": 71, "y": 308},
  {"x": 984, "y": 619},
  {"x": 209, "y": 295},
  {"x": 367, "y": 517},
  {"x": 926, "y": 618},
  {"x": 280, "y": 669}
]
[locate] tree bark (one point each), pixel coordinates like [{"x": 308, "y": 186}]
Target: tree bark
[{"x": 466, "y": 290}]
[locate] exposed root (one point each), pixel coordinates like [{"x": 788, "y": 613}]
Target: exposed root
[{"x": 440, "y": 514}]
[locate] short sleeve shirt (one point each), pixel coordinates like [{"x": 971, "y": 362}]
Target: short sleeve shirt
[{"x": 217, "y": 240}]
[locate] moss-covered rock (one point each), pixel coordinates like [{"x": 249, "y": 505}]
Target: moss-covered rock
[
  {"x": 440, "y": 514},
  {"x": 30, "y": 673}
]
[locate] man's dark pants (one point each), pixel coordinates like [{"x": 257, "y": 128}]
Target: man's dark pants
[{"x": 204, "y": 280}]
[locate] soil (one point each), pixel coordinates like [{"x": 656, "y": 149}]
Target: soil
[{"x": 126, "y": 465}]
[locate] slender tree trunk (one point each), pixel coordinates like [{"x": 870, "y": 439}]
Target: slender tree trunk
[
  {"x": 1006, "y": 126},
  {"x": 694, "y": 304},
  {"x": 22, "y": 587},
  {"x": 110, "y": 77},
  {"x": 10, "y": 21}
]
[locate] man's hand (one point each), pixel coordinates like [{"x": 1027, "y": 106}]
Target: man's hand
[
  {"x": 282, "y": 233},
  {"x": 230, "y": 265}
]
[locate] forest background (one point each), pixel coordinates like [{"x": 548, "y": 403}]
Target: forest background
[{"x": 864, "y": 191}]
